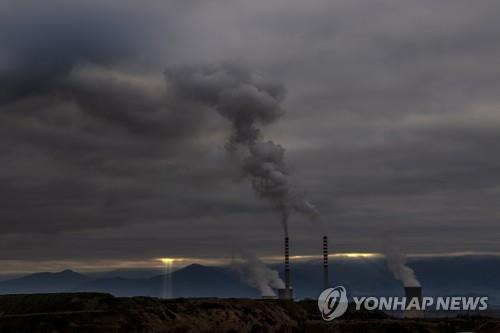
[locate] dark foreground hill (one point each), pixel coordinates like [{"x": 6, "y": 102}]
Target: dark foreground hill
[{"x": 93, "y": 312}]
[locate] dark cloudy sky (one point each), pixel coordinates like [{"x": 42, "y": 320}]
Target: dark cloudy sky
[{"x": 391, "y": 126}]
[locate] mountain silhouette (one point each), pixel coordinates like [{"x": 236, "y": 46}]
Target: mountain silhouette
[
  {"x": 366, "y": 277},
  {"x": 44, "y": 282}
]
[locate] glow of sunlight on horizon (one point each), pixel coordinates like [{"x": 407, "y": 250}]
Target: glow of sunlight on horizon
[
  {"x": 357, "y": 255},
  {"x": 167, "y": 289}
]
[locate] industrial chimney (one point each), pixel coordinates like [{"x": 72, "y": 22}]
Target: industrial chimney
[
  {"x": 287, "y": 292},
  {"x": 325, "y": 262},
  {"x": 287, "y": 264}
]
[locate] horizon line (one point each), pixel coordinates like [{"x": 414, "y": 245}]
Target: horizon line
[{"x": 12, "y": 267}]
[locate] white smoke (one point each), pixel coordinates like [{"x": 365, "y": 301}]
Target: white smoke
[
  {"x": 397, "y": 264},
  {"x": 257, "y": 274},
  {"x": 249, "y": 101}
]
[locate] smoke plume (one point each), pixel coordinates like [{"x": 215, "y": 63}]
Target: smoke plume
[
  {"x": 396, "y": 262},
  {"x": 248, "y": 101},
  {"x": 257, "y": 274}
]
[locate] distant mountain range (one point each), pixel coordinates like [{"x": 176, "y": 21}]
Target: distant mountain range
[
  {"x": 439, "y": 276},
  {"x": 43, "y": 282}
]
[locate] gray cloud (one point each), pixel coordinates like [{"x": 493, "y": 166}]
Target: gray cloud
[{"x": 392, "y": 124}]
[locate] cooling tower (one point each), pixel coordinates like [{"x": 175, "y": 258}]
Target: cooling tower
[{"x": 410, "y": 294}]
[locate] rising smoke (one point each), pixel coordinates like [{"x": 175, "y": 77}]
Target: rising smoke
[
  {"x": 249, "y": 101},
  {"x": 257, "y": 274},
  {"x": 397, "y": 264}
]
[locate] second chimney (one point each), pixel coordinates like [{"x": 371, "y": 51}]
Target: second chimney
[
  {"x": 325, "y": 262},
  {"x": 287, "y": 264}
]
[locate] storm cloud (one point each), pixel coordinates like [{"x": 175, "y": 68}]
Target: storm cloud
[{"x": 392, "y": 123}]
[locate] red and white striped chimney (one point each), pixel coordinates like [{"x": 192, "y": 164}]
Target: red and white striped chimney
[
  {"x": 325, "y": 262},
  {"x": 287, "y": 265}
]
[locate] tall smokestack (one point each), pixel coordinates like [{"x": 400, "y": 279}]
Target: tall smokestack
[
  {"x": 287, "y": 292},
  {"x": 287, "y": 264},
  {"x": 325, "y": 262}
]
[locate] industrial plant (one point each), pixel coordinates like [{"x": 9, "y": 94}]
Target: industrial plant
[
  {"x": 287, "y": 292},
  {"x": 412, "y": 293}
]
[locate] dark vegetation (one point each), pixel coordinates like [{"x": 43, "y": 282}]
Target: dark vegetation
[{"x": 96, "y": 312}]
